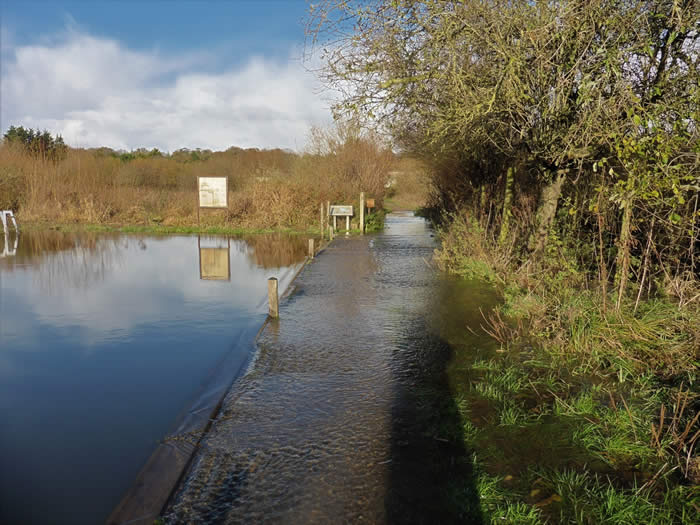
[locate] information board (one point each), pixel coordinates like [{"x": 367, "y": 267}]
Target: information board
[
  {"x": 341, "y": 211},
  {"x": 213, "y": 192}
]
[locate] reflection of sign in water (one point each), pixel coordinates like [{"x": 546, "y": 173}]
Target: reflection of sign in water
[
  {"x": 214, "y": 264},
  {"x": 341, "y": 211},
  {"x": 212, "y": 192},
  {"x": 8, "y": 251}
]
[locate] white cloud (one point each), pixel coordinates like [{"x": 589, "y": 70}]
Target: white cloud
[{"x": 96, "y": 92}]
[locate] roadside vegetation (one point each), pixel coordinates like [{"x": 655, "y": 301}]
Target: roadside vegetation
[
  {"x": 563, "y": 145},
  {"x": 48, "y": 183}
]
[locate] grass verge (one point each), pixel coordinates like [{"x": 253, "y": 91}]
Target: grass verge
[{"x": 578, "y": 413}]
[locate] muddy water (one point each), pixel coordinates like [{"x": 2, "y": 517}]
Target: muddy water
[
  {"x": 347, "y": 415},
  {"x": 105, "y": 340}
]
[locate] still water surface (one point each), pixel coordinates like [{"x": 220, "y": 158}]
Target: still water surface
[{"x": 105, "y": 340}]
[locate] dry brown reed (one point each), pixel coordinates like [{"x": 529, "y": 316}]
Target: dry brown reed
[{"x": 267, "y": 188}]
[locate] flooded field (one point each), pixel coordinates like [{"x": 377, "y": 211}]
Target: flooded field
[{"x": 105, "y": 341}]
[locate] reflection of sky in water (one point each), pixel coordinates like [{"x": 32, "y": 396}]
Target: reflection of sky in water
[{"x": 100, "y": 349}]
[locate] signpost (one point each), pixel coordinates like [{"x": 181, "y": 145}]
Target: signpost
[
  {"x": 341, "y": 211},
  {"x": 362, "y": 212}
]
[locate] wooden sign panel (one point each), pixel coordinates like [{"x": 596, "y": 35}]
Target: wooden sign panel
[
  {"x": 214, "y": 264},
  {"x": 213, "y": 192},
  {"x": 370, "y": 203},
  {"x": 341, "y": 211}
]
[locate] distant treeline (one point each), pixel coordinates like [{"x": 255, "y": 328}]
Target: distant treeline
[{"x": 40, "y": 143}]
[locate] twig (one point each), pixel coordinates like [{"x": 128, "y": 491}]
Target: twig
[{"x": 629, "y": 412}]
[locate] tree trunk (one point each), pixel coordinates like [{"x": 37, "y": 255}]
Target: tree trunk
[
  {"x": 482, "y": 205},
  {"x": 507, "y": 199},
  {"x": 546, "y": 211},
  {"x": 623, "y": 252}
]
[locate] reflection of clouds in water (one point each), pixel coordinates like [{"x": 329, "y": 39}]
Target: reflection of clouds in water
[{"x": 106, "y": 290}]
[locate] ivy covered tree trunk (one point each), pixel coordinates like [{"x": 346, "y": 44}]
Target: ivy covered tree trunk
[
  {"x": 546, "y": 211},
  {"x": 507, "y": 200}
]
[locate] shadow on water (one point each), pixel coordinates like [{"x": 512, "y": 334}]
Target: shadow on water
[
  {"x": 431, "y": 475},
  {"x": 432, "y": 478}
]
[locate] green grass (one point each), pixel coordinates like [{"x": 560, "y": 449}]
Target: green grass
[
  {"x": 158, "y": 229},
  {"x": 562, "y": 444}
]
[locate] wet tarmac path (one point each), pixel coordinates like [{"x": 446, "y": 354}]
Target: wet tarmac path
[{"x": 336, "y": 420}]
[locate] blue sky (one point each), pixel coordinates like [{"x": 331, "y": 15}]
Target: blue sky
[{"x": 164, "y": 74}]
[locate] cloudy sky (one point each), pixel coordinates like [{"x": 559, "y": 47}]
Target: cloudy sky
[{"x": 166, "y": 74}]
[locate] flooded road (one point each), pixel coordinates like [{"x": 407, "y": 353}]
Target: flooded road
[
  {"x": 105, "y": 341},
  {"x": 347, "y": 414}
]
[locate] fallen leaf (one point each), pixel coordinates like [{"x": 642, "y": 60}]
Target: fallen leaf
[{"x": 548, "y": 501}]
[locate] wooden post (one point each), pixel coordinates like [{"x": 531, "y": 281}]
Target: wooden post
[
  {"x": 311, "y": 248},
  {"x": 328, "y": 214},
  {"x": 335, "y": 222},
  {"x": 331, "y": 231},
  {"x": 362, "y": 212},
  {"x": 273, "y": 297},
  {"x": 347, "y": 223},
  {"x": 322, "y": 225}
]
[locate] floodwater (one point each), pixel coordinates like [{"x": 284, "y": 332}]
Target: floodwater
[
  {"x": 347, "y": 416},
  {"x": 105, "y": 341}
]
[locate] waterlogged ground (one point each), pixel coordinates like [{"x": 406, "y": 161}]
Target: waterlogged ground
[{"x": 105, "y": 340}]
